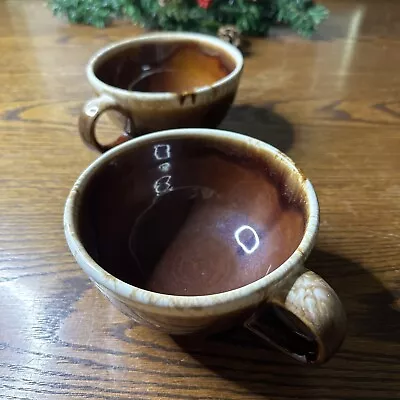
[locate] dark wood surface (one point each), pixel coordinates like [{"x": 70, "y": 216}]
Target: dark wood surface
[{"x": 332, "y": 103}]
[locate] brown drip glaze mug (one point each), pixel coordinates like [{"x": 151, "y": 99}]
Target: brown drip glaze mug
[
  {"x": 160, "y": 81},
  {"x": 291, "y": 307}
]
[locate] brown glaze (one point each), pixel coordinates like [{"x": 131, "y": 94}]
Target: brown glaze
[
  {"x": 88, "y": 119},
  {"x": 177, "y": 67},
  {"x": 190, "y": 217},
  {"x": 167, "y": 71},
  {"x": 184, "y": 96},
  {"x": 307, "y": 321},
  {"x": 219, "y": 213},
  {"x": 61, "y": 340}
]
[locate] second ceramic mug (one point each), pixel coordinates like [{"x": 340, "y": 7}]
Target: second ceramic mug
[
  {"x": 140, "y": 112},
  {"x": 292, "y": 308}
]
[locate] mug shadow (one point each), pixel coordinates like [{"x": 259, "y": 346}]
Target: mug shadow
[
  {"x": 262, "y": 372},
  {"x": 260, "y": 123}
]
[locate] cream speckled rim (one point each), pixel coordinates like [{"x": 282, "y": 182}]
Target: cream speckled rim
[
  {"x": 215, "y": 303},
  {"x": 115, "y": 48}
]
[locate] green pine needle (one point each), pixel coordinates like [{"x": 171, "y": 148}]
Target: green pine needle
[{"x": 249, "y": 16}]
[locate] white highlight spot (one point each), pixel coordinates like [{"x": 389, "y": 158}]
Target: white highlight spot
[
  {"x": 165, "y": 167},
  {"x": 92, "y": 111},
  {"x": 246, "y": 249},
  {"x": 162, "y": 151},
  {"x": 162, "y": 185}
]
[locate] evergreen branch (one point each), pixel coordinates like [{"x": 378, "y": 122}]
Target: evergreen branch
[
  {"x": 251, "y": 17},
  {"x": 301, "y": 15}
]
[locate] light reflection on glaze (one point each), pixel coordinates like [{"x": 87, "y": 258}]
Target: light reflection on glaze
[
  {"x": 243, "y": 245},
  {"x": 162, "y": 185},
  {"x": 162, "y": 151},
  {"x": 165, "y": 167}
]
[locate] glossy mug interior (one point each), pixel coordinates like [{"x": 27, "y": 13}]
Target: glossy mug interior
[
  {"x": 193, "y": 230},
  {"x": 161, "y": 81}
]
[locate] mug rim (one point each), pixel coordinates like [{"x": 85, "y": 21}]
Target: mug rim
[
  {"x": 148, "y": 299},
  {"x": 97, "y": 57}
]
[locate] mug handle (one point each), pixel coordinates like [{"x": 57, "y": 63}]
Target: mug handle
[
  {"x": 89, "y": 115},
  {"x": 307, "y": 322}
]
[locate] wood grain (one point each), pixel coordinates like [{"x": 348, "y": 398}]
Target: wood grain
[{"x": 332, "y": 103}]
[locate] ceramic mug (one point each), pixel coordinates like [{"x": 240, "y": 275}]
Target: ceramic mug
[
  {"x": 292, "y": 308},
  {"x": 110, "y": 70}
]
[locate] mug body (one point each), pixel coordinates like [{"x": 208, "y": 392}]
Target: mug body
[
  {"x": 190, "y": 314},
  {"x": 203, "y": 106}
]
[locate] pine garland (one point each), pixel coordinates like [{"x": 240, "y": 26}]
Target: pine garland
[{"x": 250, "y": 17}]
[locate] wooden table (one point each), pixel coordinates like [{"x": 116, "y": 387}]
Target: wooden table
[{"x": 332, "y": 103}]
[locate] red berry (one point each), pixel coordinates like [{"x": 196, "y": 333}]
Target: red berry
[{"x": 204, "y": 3}]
